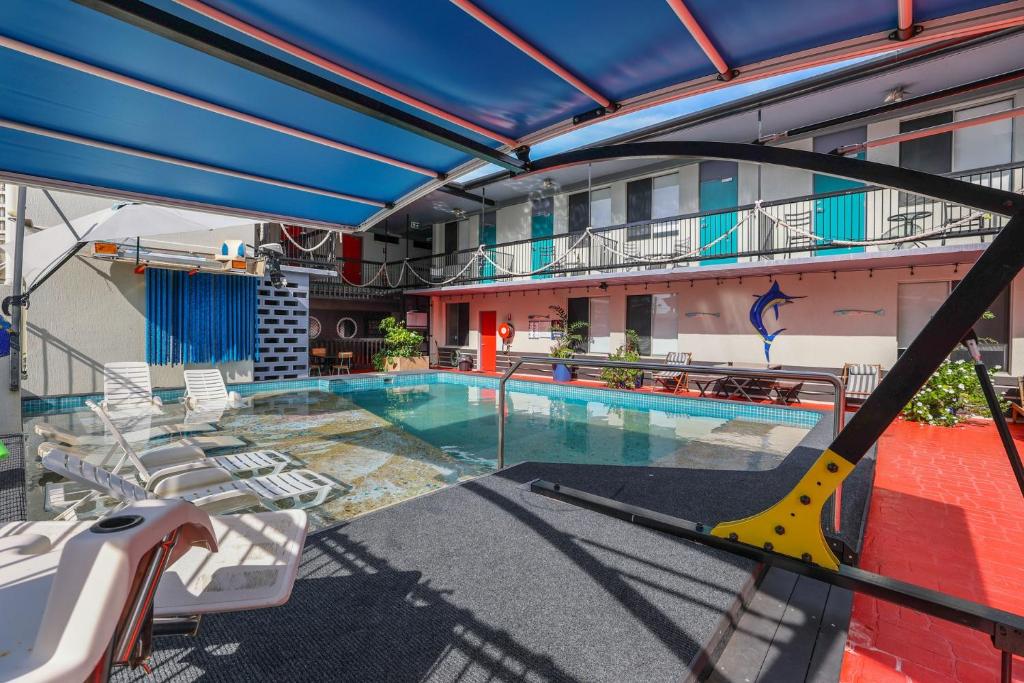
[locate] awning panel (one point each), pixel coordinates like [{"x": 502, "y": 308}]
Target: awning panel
[{"x": 483, "y": 71}]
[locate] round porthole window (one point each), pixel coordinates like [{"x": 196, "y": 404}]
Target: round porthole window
[
  {"x": 347, "y": 328},
  {"x": 314, "y": 328}
]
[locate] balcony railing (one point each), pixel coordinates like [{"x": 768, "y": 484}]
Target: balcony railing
[{"x": 858, "y": 219}]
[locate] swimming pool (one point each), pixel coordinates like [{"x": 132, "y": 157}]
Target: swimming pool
[{"x": 395, "y": 437}]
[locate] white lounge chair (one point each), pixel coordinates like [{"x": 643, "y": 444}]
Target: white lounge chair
[
  {"x": 128, "y": 391},
  {"x": 71, "y": 588},
  {"x": 207, "y": 486},
  {"x": 52, "y": 433},
  {"x": 205, "y": 390}
]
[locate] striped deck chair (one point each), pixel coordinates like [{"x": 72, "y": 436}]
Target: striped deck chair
[
  {"x": 674, "y": 381},
  {"x": 860, "y": 379},
  {"x": 127, "y": 390}
]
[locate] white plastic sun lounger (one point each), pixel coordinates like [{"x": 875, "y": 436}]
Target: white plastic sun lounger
[
  {"x": 207, "y": 486},
  {"x": 205, "y": 390},
  {"x": 128, "y": 391},
  {"x": 52, "y": 433},
  {"x": 71, "y": 588}
]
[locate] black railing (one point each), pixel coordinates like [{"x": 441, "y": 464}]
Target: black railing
[
  {"x": 818, "y": 224},
  {"x": 362, "y": 350}
]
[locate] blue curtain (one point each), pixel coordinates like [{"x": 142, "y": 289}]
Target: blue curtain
[{"x": 201, "y": 318}]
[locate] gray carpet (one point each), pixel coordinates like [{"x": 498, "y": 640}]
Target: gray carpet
[
  {"x": 486, "y": 581},
  {"x": 12, "y": 480}
]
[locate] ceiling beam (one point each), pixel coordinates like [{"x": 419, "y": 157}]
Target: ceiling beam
[
  {"x": 457, "y": 191},
  {"x": 905, "y": 21},
  {"x": 183, "y": 32},
  {"x": 184, "y": 163},
  {"x": 703, "y": 41},
  {"x": 339, "y": 70},
  {"x": 533, "y": 52},
  {"x": 153, "y": 89}
]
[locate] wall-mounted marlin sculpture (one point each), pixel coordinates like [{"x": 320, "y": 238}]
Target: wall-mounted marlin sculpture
[{"x": 773, "y": 298}]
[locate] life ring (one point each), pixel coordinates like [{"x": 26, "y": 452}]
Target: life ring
[{"x": 506, "y": 332}]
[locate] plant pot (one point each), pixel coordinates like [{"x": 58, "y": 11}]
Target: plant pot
[
  {"x": 405, "y": 364},
  {"x": 560, "y": 372},
  {"x": 465, "y": 363}
]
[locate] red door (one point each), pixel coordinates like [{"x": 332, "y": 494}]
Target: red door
[
  {"x": 352, "y": 253},
  {"x": 488, "y": 341}
]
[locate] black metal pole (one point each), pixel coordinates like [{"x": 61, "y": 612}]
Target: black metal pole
[{"x": 997, "y": 415}]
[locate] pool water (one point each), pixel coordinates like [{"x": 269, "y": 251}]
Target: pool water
[
  {"x": 462, "y": 421},
  {"x": 389, "y": 440}
]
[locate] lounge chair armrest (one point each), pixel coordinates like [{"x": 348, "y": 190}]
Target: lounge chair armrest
[
  {"x": 226, "y": 501},
  {"x": 157, "y": 401},
  {"x": 194, "y": 480}
]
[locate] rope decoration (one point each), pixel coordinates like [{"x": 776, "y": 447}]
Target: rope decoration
[{"x": 482, "y": 253}]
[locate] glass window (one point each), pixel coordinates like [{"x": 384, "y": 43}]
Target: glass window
[
  {"x": 579, "y": 311},
  {"x": 579, "y": 212},
  {"x": 916, "y": 303},
  {"x": 989, "y": 144},
  {"x": 638, "y": 319},
  {"x": 601, "y": 207},
  {"x": 932, "y": 154},
  {"x": 600, "y": 325},
  {"x": 451, "y": 237},
  {"x": 665, "y": 331},
  {"x": 666, "y": 196},
  {"x": 457, "y": 324}
]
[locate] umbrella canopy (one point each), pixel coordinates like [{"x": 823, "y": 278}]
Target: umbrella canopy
[
  {"x": 337, "y": 113},
  {"x": 49, "y": 248}
]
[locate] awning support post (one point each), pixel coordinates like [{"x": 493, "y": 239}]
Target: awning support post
[{"x": 16, "y": 298}]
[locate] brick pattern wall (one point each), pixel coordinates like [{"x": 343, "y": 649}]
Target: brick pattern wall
[{"x": 283, "y": 319}]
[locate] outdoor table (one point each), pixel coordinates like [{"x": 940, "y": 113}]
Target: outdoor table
[{"x": 906, "y": 224}]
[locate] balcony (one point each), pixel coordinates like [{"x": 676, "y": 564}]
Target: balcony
[{"x": 820, "y": 225}]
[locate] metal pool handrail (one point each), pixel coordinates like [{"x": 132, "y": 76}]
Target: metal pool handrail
[{"x": 839, "y": 401}]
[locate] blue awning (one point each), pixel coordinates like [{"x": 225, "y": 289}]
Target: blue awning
[{"x": 92, "y": 99}]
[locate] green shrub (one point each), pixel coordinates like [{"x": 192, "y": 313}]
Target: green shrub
[
  {"x": 624, "y": 378},
  {"x": 572, "y": 337},
  {"x": 950, "y": 396},
  {"x": 398, "y": 343}
]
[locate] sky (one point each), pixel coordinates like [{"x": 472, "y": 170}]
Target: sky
[{"x": 626, "y": 123}]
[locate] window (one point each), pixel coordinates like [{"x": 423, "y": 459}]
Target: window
[
  {"x": 387, "y": 239},
  {"x": 917, "y": 302},
  {"x": 601, "y": 207},
  {"x": 932, "y": 154},
  {"x": 638, "y": 319},
  {"x": 665, "y": 203},
  {"x": 989, "y": 144},
  {"x": 665, "y": 327},
  {"x": 655, "y": 319},
  {"x": 579, "y": 311},
  {"x": 638, "y": 208},
  {"x": 579, "y": 212},
  {"x": 600, "y": 325},
  {"x": 457, "y": 324},
  {"x": 451, "y": 237}
]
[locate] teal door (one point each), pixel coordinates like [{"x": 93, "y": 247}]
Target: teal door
[
  {"x": 841, "y": 217},
  {"x": 488, "y": 238},
  {"x": 718, "y": 190},
  {"x": 542, "y": 225}
]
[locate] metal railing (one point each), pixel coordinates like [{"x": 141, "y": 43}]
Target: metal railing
[
  {"x": 839, "y": 400},
  {"x": 811, "y": 225}
]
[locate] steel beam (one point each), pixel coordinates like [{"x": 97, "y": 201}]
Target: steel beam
[
  {"x": 174, "y": 28},
  {"x": 697, "y": 32}
]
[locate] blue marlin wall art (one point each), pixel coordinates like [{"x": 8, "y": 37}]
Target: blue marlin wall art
[{"x": 773, "y": 298}]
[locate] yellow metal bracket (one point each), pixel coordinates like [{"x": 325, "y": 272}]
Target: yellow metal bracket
[{"x": 793, "y": 525}]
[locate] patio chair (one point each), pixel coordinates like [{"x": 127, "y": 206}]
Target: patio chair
[
  {"x": 52, "y": 433},
  {"x": 674, "y": 381},
  {"x": 210, "y": 488},
  {"x": 205, "y": 389},
  {"x": 860, "y": 379},
  {"x": 797, "y": 241},
  {"x": 788, "y": 392},
  {"x": 1017, "y": 408},
  {"x": 128, "y": 391}
]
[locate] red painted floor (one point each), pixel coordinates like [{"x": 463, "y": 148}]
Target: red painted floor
[{"x": 946, "y": 514}]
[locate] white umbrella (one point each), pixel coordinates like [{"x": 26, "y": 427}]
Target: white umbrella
[{"x": 48, "y": 249}]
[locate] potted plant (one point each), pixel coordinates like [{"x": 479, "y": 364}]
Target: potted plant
[
  {"x": 570, "y": 339},
  {"x": 625, "y": 378},
  {"x": 402, "y": 348}
]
